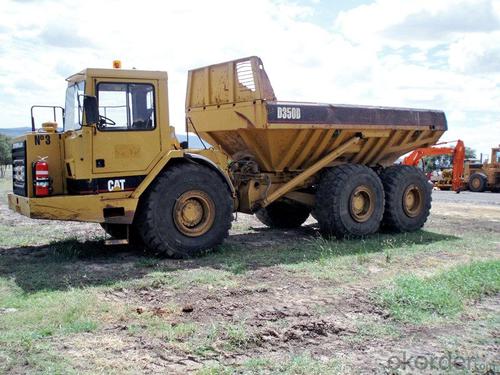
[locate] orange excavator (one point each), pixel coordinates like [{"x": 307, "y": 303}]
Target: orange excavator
[{"x": 458, "y": 155}]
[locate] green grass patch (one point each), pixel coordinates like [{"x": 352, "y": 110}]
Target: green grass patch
[
  {"x": 147, "y": 262},
  {"x": 27, "y": 320},
  {"x": 158, "y": 327},
  {"x": 42, "y": 314},
  {"x": 422, "y": 299},
  {"x": 231, "y": 337},
  {"x": 204, "y": 276},
  {"x": 330, "y": 259},
  {"x": 302, "y": 364},
  {"x": 49, "y": 234},
  {"x": 367, "y": 329},
  {"x": 21, "y": 235},
  {"x": 350, "y": 260}
]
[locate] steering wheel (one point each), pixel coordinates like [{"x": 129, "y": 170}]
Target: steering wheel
[
  {"x": 149, "y": 112},
  {"x": 104, "y": 121}
]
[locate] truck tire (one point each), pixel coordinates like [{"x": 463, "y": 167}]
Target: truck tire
[
  {"x": 477, "y": 182},
  {"x": 349, "y": 201},
  {"x": 283, "y": 215},
  {"x": 187, "y": 210},
  {"x": 407, "y": 198}
]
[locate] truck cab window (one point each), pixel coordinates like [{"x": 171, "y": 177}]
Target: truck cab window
[
  {"x": 73, "y": 106},
  {"x": 126, "y": 106}
]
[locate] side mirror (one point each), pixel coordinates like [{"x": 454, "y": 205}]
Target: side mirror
[{"x": 91, "y": 110}]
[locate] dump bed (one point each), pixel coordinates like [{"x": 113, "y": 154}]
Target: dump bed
[{"x": 233, "y": 105}]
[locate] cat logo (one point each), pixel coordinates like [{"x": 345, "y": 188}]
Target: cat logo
[{"x": 116, "y": 185}]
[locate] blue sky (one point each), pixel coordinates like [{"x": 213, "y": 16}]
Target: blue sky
[{"x": 441, "y": 54}]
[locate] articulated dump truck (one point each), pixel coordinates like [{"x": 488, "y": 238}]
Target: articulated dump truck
[{"x": 116, "y": 161}]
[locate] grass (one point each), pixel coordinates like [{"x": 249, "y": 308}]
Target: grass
[
  {"x": 204, "y": 276},
  {"x": 49, "y": 234},
  {"x": 302, "y": 364},
  {"x": 331, "y": 259},
  {"x": 368, "y": 329},
  {"x": 158, "y": 327},
  {"x": 350, "y": 260},
  {"x": 421, "y": 299},
  {"x": 211, "y": 338},
  {"x": 147, "y": 262},
  {"x": 30, "y": 319}
]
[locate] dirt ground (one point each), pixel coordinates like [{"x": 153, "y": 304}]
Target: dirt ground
[{"x": 262, "y": 299}]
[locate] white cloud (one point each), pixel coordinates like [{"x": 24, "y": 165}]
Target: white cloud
[
  {"x": 476, "y": 53},
  {"x": 422, "y": 23}
]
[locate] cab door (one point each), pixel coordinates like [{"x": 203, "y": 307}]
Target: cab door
[{"x": 127, "y": 138}]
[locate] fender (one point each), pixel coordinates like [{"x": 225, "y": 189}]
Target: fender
[
  {"x": 180, "y": 155},
  {"x": 200, "y": 159}
]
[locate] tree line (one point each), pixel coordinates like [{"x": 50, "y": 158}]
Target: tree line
[{"x": 5, "y": 154}]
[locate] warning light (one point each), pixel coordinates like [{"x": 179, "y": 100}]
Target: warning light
[{"x": 117, "y": 64}]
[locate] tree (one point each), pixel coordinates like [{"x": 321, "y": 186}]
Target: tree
[
  {"x": 5, "y": 154},
  {"x": 433, "y": 163}
]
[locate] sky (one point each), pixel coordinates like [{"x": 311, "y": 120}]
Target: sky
[{"x": 437, "y": 54}]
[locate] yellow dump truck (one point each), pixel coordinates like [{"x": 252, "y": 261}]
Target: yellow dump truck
[{"x": 116, "y": 160}]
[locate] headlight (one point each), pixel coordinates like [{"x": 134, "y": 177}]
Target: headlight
[{"x": 18, "y": 171}]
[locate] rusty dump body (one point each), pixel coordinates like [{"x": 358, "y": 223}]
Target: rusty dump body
[{"x": 233, "y": 105}]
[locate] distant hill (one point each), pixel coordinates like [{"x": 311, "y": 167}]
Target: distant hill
[
  {"x": 14, "y": 132},
  {"x": 194, "y": 142}
]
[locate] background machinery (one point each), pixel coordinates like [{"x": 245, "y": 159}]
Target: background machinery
[
  {"x": 485, "y": 176},
  {"x": 117, "y": 161},
  {"x": 464, "y": 174},
  {"x": 453, "y": 178}
]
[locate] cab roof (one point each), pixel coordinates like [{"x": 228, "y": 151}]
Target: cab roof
[{"x": 118, "y": 73}]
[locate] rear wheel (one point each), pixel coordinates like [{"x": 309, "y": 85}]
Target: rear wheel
[
  {"x": 187, "y": 210},
  {"x": 283, "y": 214},
  {"x": 407, "y": 198},
  {"x": 349, "y": 201},
  {"x": 477, "y": 182}
]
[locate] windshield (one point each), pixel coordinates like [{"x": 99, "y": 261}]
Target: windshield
[{"x": 73, "y": 107}]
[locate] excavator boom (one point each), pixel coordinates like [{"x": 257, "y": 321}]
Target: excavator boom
[{"x": 458, "y": 155}]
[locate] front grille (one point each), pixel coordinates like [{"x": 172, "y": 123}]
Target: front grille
[{"x": 19, "y": 176}]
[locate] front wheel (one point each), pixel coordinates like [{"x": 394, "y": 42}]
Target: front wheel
[
  {"x": 187, "y": 210},
  {"x": 407, "y": 198},
  {"x": 477, "y": 182}
]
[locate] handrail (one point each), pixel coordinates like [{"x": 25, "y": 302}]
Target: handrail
[{"x": 54, "y": 107}]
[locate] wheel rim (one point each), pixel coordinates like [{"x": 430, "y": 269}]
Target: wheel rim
[
  {"x": 362, "y": 203},
  {"x": 194, "y": 213},
  {"x": 476, "y": 183},
  {"x": 413, "y": 201}
]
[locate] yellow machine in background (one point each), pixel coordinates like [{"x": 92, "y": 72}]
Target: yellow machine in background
[
  {"x": 118, "y": 162},
  {"x": 484, "y": 176}
]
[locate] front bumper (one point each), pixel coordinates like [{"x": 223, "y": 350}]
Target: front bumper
[{"x": 90, "y": 208}]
